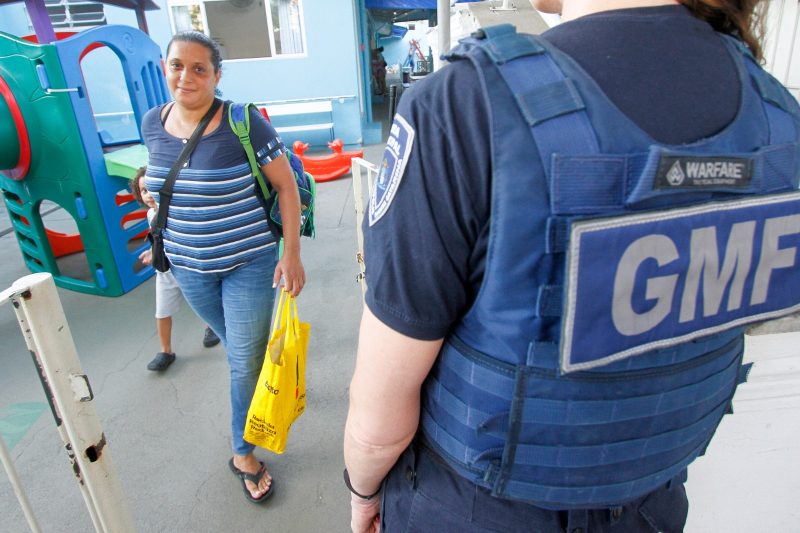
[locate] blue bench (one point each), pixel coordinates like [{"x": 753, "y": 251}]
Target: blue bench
[{"x": 310, "y": 122}]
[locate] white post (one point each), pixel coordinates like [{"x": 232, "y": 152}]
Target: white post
[
  {"x": 42, "y": 321},
  {"x": 17, "y": 486},
  {"x": 356, "y": 167},
  {"x": 443, "y": 25}
]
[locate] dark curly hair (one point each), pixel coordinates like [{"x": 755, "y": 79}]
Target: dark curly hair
[
  {"x": 133, "y": 184},
  {"x": 743, "y": 19}
]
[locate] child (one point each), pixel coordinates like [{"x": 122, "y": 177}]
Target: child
[{"x": 168, "y": 294}]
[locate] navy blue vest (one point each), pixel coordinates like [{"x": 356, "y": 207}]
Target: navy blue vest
[{"x": 606, "y": 343}]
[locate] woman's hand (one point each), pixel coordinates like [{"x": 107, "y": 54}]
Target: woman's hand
[
  {"x": 365, "y": 514},
  {"x": 146, "y": 257},
  {"x": 290, "y": 268},
  {"x": 280, "y": 175}
]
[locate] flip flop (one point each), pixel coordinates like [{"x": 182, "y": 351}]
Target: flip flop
[{"x": 254, "y": 478}]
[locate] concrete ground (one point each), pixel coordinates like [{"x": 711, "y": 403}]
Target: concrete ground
[{"x": 169, "y": 433}]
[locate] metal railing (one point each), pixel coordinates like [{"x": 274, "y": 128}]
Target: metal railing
[
  {"x": 47, "y": 335},
  {"x": 362, "y": 169}
]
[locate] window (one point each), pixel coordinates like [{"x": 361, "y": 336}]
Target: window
[
  {"x": 69, "y": 14},
  {"x": 244, "y": 29}
]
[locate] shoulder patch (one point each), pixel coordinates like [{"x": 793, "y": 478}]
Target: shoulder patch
[{"x": 395, "y": 157}]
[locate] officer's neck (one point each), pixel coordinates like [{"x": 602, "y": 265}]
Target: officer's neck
[{"x": 572, "y": 9}]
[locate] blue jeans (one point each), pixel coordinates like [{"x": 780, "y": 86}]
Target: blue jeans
[
  {"x": 238, "y": 306},
  {"x": 422, "y": 494}
]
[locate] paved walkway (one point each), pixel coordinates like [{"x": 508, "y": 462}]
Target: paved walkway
[{"x": 169, "y": 433}]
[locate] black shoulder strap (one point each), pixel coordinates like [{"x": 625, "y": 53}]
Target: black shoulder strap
[
  {"x": 165, "y": 111},
  {"x": 165, "y": 194}
]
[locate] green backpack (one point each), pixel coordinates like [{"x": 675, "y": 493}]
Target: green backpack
[{"x": 239, "y": 119}]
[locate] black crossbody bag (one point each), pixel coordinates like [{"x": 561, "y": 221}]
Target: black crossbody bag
[{"x": 160, "y": 261}]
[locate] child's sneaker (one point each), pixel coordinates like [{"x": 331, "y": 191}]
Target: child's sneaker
[
  {"x": 161, "y": 361},
  {"x": 210, "y": 338}
]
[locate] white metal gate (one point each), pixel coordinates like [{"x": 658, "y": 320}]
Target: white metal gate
[
  {"x": 49, "y": 340},
  {"x": 362, "y": 170}
]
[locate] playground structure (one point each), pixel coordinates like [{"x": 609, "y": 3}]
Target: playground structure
[
  {"x": 416, "y": 62},
  {"x": 327, "y": 167},
  {"x": 51, "y": 149},
  {"x": 56, "y": 149}
]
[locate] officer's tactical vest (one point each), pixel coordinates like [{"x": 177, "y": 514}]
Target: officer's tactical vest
[{"x": 606, "y": 341}]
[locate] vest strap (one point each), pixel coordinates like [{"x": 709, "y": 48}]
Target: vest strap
[
  {"x": 587, "y": 184},
  {"x": 493, "y": 418},
  {"x": 596, "y": 411},
  {"x": 769, "y": 88},
  {"x": 618, "y": 452},
  {"x": 550, "y": 300},
  {"x": 744, "y": 373},
  {"x": 550, "y": 101},
  {"x": 565, "y": 497},
  {"x": 539, "y": 410},
  {"x": 557, "y": 236},
  {"x": 778, "y": 104},
  {"x": 543, "y": 354},
  {"x": 503, "y": 43}
]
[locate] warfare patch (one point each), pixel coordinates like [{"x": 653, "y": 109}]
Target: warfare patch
[
  {"x": 687, "y": 172},
  {"x": 395, "y": 158}
]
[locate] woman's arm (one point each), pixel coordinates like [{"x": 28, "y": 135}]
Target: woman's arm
[
  {"x": 280, "y": 175},
  {"x": 384, "y": 408}
]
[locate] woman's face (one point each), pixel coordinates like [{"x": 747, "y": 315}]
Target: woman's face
[{"x": 190, "y": 74}]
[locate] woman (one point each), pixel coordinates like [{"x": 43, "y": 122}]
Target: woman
[
  {"x": 217, "y": 238},
  {"x": 604, "y": 120},
  {"x": 379, "y": 70}
]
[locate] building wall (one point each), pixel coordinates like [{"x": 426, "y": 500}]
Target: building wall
[
  {"x": 782, "y": 46},
  {"x": 328, "y": 69},
  {"x": 396, "y": 50},
  {"x": 13, "y": 19}
]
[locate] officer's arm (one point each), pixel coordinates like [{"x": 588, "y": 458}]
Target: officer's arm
[{"x": 384, "y": 400}]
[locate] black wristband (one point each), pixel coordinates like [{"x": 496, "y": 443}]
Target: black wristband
[{"x": 350, "y": 487}]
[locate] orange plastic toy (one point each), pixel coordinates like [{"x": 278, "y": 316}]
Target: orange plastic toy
[{"x": 326, "y": 167}]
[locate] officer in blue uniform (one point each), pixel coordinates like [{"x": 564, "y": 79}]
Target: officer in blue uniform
[{"x": 567, "y": 235}]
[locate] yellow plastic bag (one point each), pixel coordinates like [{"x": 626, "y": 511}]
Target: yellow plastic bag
[{"x": 280, "y": 395}]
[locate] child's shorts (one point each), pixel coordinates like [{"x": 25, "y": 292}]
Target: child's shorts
[{"x": 168, "y": 295}]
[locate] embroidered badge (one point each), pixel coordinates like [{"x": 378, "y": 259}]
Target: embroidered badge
[
  {"x": 691, "y": 172},
  {"x": 395, "y": 157},
  {"x": 649, "y": 281}
]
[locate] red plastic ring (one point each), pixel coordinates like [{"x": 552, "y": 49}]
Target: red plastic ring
[{"x": 24, "y": 160}]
